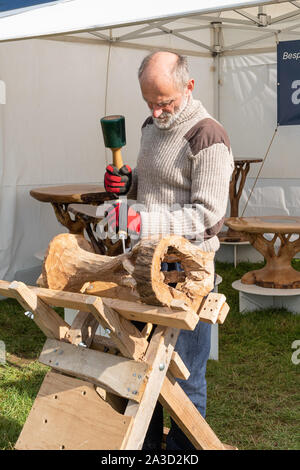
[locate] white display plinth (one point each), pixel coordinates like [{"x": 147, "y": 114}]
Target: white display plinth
[
  {"x": 70, "y": 314},
  {"x": 253, "y": 297},
  {"x": 237, "y": 252}
]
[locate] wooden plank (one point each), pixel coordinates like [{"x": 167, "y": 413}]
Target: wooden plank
[
  {"x": 116, "y": 402},
  {"x": 210, "y": 309},
  {"x": 158, "y": 356},
  {"x": 146, "y": 331},
  {"x": 223, "y": 314},
  {"x": 116, "y": 374},
  {"x": 83, "y": 329},
  {"x": 69, "y": 414},
  {"x": 51, "y": 324},
  {"x": 127, "y": 338},
  {"x": 104, "y": 344},
  {"x": 173, "y": 317},
  {"x": 187, "y": 417},
  {"x": 54, "y": 298},
  {"x": 177, "y": 367},
  {"x": 64, "y": 299}
]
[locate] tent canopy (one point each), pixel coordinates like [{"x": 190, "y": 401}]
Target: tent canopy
[{"x": 257, "y": 23}]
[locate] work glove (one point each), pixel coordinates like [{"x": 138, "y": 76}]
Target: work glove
[
  {"x": 133, "y": 220},
  {"x": 117, "y": 181}
]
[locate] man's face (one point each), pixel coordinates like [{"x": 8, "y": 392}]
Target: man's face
[{"x": 164, "y": 100}]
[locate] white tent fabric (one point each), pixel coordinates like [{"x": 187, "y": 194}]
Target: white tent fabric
[
  {"x": 87, "y": 15},
  {"x": 58, "y": 88}
]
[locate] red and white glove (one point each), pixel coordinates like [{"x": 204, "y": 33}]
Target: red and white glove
[
  {"x": 117, "y": 181},
  {"x": 133, "y": 220}
]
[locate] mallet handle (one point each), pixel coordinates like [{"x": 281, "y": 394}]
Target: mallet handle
[{"x": 117, "y": 158}]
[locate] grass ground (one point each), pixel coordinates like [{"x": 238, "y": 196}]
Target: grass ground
[{"x": 253, "y": 390}]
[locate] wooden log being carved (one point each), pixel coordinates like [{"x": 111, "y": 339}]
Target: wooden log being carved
[{"x": 70, "y": 263}]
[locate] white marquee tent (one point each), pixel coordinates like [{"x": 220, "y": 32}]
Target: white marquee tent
[{"x": 65, "y": 64}]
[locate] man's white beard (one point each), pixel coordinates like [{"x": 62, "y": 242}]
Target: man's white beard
[{"x": 167, "y": 119}]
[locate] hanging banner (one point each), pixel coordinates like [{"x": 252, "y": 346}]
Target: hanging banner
[{"x": 288, "y": 83}]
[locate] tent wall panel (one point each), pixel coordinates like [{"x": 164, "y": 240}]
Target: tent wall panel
[{"x": 56, "y": 94}]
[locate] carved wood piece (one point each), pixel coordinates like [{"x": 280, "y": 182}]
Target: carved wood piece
[
  {"x": 64, "y": 218},
  {"x": 90, "y": 216},
  {"x": 71, "y": 193},
  {"x": 70, "y": 262},
  {"x": 278, "y": 272},
  {"x": 62, "y": 198},
  {"x": 237, "y": 183}
]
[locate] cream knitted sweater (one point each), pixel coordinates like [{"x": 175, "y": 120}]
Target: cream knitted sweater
[{"x": 181, "y": 181}]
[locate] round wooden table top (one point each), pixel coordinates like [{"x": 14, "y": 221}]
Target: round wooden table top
[
  {"x": 265, "y": 224},
  {"x": 68, "y": 193}
]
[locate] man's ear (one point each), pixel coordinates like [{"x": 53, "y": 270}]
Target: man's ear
[{"x": 191, "y": 84}]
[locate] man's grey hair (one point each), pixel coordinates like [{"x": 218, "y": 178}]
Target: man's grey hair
[{"x": 179, "y": 73}]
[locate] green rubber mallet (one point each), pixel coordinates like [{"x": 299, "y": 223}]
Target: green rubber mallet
[{"x": 113, "y": 129}]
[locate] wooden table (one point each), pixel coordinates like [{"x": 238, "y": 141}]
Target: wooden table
[
  {"x": 237, "y": 183},
  {"x": 278, "y": 272},
  {"x": 60, "y": 197}
]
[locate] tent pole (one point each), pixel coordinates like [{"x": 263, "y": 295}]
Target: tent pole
[
  {"x": 217, "y": 87},
  {"x": 216, "y": 55}
]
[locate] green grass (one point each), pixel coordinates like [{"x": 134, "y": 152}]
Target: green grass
[
  {"x": 22, "y": 375},
  {"x": 253, "y": 390}
]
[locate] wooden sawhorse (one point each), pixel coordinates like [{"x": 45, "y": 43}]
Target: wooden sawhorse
[{"x": 101, "y": 392}]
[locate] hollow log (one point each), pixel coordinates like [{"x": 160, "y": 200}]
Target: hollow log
[
  {"x": 198, "y": 269},
  {"x": 70, "y": 263}
]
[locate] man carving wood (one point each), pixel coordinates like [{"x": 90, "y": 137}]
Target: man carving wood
[{"x": 181, "y": 184}]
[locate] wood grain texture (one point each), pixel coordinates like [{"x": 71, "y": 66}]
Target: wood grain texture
[
  {"x": 271, "y": 223},
  {"x": 51, "y": 324},
  {"x": 71, "y": 193},
  {"x": 186, "y": 415},
  {"x": 158, "y": 356},
  {"x": 83, "y": 329},
  {"x": 118, "y": 375},
  {"x": 278, "y": 252},
  {"x": 69, "y": 264},
  {"x": 177, "y": 367},
  {"x": 68, "y": 414}
]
